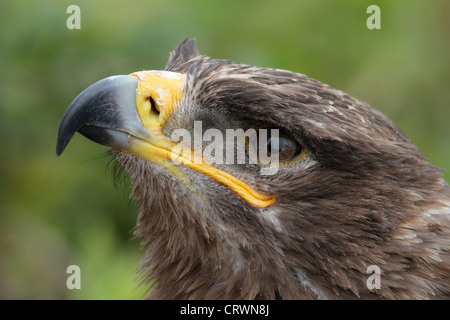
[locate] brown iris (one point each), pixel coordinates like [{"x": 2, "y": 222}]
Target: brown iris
[{"x": 282, "y": 143}]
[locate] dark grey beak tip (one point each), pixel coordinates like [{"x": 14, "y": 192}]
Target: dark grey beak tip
[
  {"x": 62, "y": 142},
  {"x": 105, "y": 104},
  {"x": 59, "y": 150}
]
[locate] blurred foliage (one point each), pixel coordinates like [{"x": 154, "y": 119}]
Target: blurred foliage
[{"x": 58, "y": 212}]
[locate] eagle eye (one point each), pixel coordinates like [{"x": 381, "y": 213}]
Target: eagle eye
[{"x": 281, "y": 143}]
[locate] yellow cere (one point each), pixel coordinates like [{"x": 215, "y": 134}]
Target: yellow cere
[{"x": 166, "y": 90}]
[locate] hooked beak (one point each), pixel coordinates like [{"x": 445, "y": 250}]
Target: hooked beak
[{"x": 101, "y": 112}]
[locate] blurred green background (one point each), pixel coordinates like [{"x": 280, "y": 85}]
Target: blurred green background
[{"x": 55, "y": 212}]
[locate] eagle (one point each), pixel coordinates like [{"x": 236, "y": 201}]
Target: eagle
[{"x": 351, "y": 197}]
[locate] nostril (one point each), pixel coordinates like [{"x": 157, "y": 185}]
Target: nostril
[{"x": 154, "y": 107}]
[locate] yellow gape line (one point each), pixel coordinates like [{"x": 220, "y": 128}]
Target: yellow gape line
[{"x": 164, "y": 90}]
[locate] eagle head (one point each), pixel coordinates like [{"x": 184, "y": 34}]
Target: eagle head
[{"x": 264, "y": 183}]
